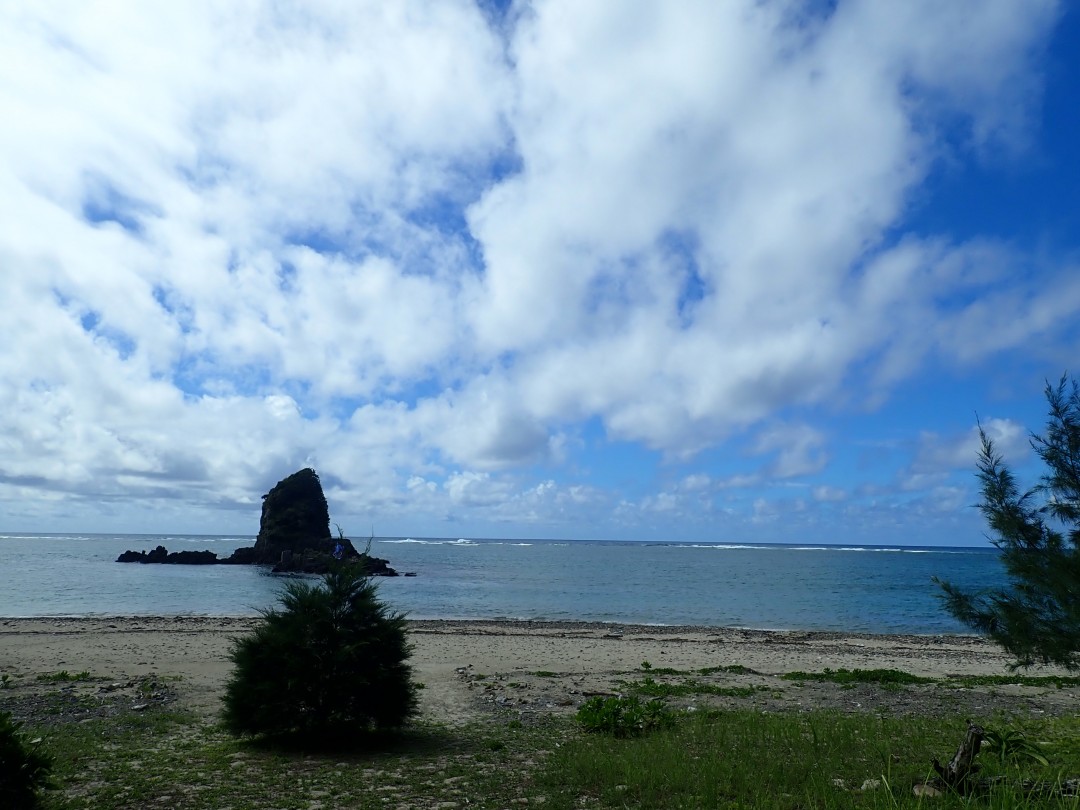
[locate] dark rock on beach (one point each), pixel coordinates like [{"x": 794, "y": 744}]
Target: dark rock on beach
[{"x": 294, "y": 536}]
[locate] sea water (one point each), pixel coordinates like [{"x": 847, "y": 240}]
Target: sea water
[{"x": 802, "y": 587}]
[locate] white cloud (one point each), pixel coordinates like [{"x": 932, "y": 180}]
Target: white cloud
[
  {"x": 698, "y": 482},
  {"x": 828, "y": 494},
  {"x": 765, "y": 511},
  {"x": 943, "y": 454},
  {"x": 394, "y": 241},
  {"x": 773, "y": 160},
  {"x": 799, "y": 450}
]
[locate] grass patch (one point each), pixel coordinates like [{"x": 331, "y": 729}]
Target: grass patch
[
  {"x": 63, "y": 676},
  {"x": 853, "y": 676},
  {"x": 647, "y": 667},
  {"x": 171, "y": 759},
  {"x": 650, "y": 687},
  {"x": 731, "y": 669},
  {"x": 546, "y": 673},
  {"x": 623, "y": 716},
  {"x": 743, "y": 758},
  {"x": 898, "y": 677},
  {"x": 739, "y": 758},
  {"x": 1057, "y": 681}
]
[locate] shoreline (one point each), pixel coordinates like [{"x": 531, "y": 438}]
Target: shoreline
[
  {"x": 465, "y": 663},
  {"x": 539, "y": 624}
]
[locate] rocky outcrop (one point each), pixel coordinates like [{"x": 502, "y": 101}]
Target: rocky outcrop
[
  {"x": 295, "y": 519},
  {"x": 161, "y": 555},
  {"x": 294, "y": 536},
  {"x": 318, "y": 562}
]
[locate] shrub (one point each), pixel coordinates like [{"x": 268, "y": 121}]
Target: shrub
[
  {"x": 23, "y": 768},
  {"x": 623, "y": 716},
  {"x": 331, "y": 660},
  {"x": 1011, "y": 746}
]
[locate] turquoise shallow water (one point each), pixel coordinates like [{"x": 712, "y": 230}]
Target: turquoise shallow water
[{"x": 864, "y": 589}]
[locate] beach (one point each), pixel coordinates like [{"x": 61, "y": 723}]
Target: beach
[{"x": 472, "y": 668}]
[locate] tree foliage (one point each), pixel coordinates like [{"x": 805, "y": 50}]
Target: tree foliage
[
  {"x": 331, "y": 661},
  {"x": 24, "y": 768},
  {"x": 1037, "y": 618}
]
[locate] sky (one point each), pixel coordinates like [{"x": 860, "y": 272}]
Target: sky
[{"x": 748, "y": 271}]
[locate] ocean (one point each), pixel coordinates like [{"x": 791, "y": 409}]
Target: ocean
[{"x": 870, "y": 589}]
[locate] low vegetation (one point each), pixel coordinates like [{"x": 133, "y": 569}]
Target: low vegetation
[
  {"x": 63, "y": 676},
  {"x": 330, "y": 662},
  {"x": 894, "y": 677},
  {"x": 703, "y": 759},
  {"x": 320, "y": 713},
  {"x": 650, "y": 687},
  {"x": 24, "y": 766},
  {"x": 851, "y": 676},
  {"x": 621, "y": 716}
]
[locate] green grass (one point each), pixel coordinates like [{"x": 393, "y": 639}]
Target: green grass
[
  {"x": 738, "y": 758},
  {"x": 1057, "y": 681},
  {"x": 63, "y": 676},
  {"x": 170, "y": 759},
  {"x": 731, "y": 669},
  {"x": 650, "y": 687},
  {"x": 898, "y": 677},
  {"x": 748, "y": 759},
  {"x": 709, "y": 758},
  {"x": 853, "y": 676}
]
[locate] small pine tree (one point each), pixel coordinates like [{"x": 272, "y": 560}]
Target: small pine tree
[
  {"x": 330, "y": 661},
  {"x": 23, "y": 768},
  {"x": 1037, "y": 619}
]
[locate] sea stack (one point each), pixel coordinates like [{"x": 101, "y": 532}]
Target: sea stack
[
  {"x": 294, "y": 532},
  {"x": 295, "y": 520},
  {"x": 294, "y": 536}
]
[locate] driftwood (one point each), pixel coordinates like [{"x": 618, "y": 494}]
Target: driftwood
[{"x": 954, "y": 776}]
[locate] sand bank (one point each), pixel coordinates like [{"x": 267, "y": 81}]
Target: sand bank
[{"x": 466, "y": 665}]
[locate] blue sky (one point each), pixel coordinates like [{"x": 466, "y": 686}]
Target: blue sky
[{"x": 618, "y": 270}]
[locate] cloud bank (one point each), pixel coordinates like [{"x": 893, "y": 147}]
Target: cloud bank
[{"x": 441, "y": 250}]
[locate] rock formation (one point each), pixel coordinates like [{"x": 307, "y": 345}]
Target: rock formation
[
  {"x": 295, "y": 520},
  {"x": 294, "y": 536},
  {"x": 161, "y": 555}
]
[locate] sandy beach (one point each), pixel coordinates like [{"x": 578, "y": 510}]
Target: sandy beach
[{"x": 472, "y": 668}]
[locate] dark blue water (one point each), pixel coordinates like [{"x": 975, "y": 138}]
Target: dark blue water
[{"x": 865, "y": 589}]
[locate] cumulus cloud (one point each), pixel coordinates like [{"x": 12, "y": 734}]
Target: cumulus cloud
[
  {"x": 424, "y": 247},
  {"x": 798, "y": 450},
  {"x": 942, "y": 454},
  {"x": 829, "y": 494}
]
